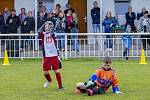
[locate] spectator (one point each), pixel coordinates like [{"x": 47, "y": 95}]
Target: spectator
[
  {"x": 22, "y": 16},
  {"x": 58, "y": 8},
  {"x": 28, "y": 26},
  {"x": 145, "y": 28},
  {"x": 95, "y": 14},
  {"x": 68, "y": 6},
  {"x": 130, "y": 17},
  {"x": 69, "y": 19},
  {"x": 40, "y": 6},
  {"x": 108, "y": 24},
  {"x": 141, "y": 14},
  {"x": 41, "y": 19},
  {"x": 74, "y": 29},
  {"x": 29, "y": 23},
  {"x": 60, "y": 29},
  {"x": 51, "y": 17},
  {"x": 6, "y": 14},
  {"x": 127, "y": 42},
  {"x": 2, "y": 24},
  {"x": 13, "y": 23},
  {"x": 42, "y": 9}
]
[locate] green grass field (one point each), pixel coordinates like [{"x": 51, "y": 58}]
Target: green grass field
[{"x": 23, "y": 80}]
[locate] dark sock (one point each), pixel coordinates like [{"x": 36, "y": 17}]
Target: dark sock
[
  {"x": 48, "y": 77},
  {"x": 98, "y": 91},
  {"x": 59, "y": 81}
]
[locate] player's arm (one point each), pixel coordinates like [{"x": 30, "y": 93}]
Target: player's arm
[
  {"x": 41, "y": 29},
  {"x": 98, "y": 76},
  {"x": 115, "y": 84}
]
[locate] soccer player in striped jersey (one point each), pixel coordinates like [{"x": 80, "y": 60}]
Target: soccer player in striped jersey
[{"x": 50, "y": 54}]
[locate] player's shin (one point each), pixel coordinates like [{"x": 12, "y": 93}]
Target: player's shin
[
  {"x": 47, "y": 76},
  {"x": 59, "y": 80}
]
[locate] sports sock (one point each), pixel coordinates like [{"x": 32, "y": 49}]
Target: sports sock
[
  {"x": 48, "y": 77},
  {"x": 59, "y": 81}
]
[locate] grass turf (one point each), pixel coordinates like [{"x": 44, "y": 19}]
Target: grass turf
[{"x": 23, "y": 80}]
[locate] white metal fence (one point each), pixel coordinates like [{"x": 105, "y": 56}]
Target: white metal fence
[{"x": 70, "y": 46}]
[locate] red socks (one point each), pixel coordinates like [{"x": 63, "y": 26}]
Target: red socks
[
  {"x": 48, "y": 77},
  {"x": 58, "y": 77}
]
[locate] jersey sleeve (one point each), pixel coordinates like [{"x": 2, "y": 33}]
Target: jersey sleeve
[{"x": 114, "y": 82}]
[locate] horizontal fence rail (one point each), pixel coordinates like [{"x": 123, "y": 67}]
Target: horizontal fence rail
[{"x": 77, "y": 45}]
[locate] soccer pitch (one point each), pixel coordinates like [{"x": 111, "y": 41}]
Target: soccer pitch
[{"x": 23, "y": 80}]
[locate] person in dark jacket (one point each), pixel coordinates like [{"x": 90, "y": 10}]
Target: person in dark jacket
[
  {"x": 28, "y": 26},
  {"x": 22, "y": 16},
  {"x": 95, "y": 14},
  {"x": 6, "y": 14},
  {"x": 130, "y": 17},
  {"x": 68, "y": 6},
  {"x": 141, "y": 14},
  {"x": 13, "y": 23},
  {"x": 51, "y": 17},
  {"x": 2, "y": 24},
  {"x": 41, "y": 19}
]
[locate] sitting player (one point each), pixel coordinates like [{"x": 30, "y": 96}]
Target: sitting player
[
  {"x": 50, "y": 54},
  {"x": 106, "y": 77}
]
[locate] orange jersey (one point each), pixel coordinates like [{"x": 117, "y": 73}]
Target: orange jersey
[{"x": 106, "y": 78}]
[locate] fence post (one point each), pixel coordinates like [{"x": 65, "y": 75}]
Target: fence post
[{"x": 66, "y": 47}]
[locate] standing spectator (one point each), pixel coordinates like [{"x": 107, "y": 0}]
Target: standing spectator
[
  {"x": 74, "y": 29},
  {"x": 60, "y": 29},
  {"x": 2, "y": 24},
  {"x": 58, "y": 8},
  {"x": 69, "y": 19},
  {"x": 95, "y": 14},
  {"x": 127, "y": 42},
  {"x": 6, "y": 14},
  {"x": 108, "y": 24},
  {"x": 28, "y": 26},
  {"x": 13, "y": 23},
  {"x": 51, "y": 17},
  {"x": 40, "y": 6},
  {"x": 42, "y": 9},
  {"x": 22, "y": 16},
  {"x": 141, "y": 14},
  {"x": 55, "y": 15},
  {"x": 68, "y": 6},
  {"x": 145, "y": 28},
  {"x": 130, "y": 17},
  {"x": 41, "y": 19}
]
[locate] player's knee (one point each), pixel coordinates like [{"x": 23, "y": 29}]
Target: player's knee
[
  {"x": 57, "y": 71},
  {"x": 80, "y": 85},
  {"x": 46, "y": 73}
]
